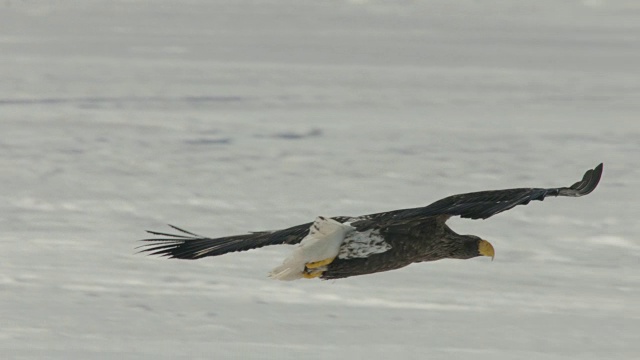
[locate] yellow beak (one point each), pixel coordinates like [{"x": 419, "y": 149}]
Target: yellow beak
[{"x": 486, "y": 249}]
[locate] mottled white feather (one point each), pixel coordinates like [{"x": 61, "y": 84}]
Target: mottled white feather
[
  {"x": 323, "y": 242},
  {"x": 363, "y": 244}
]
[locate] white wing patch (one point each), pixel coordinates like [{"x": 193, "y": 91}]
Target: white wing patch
[{"x": 363, "y": 244}]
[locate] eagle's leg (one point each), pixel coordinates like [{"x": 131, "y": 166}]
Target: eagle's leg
[
  {"x": 312, "y": 275},
  {"x": 316, "y": 269},
  {"x": 317, "y": 264}
]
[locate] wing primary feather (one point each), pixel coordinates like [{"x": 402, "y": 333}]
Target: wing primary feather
[
  {"x": 166, "y": 234},
  {"x": 585, "y": 186},
  {"x": 184, "y": 231}
]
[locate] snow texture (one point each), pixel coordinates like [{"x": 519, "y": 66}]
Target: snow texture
[{"x": 223, "y": 117}]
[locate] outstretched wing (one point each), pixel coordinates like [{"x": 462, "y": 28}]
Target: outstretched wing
[
  {"x": 188, "y": 245},
  {"x": 484, "y": 204}
]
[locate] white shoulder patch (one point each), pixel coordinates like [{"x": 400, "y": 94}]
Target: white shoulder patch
[{"x": 363, "y": 244}]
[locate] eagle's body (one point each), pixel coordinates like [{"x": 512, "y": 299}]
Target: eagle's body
[
  {"x": 405, "y": 243},
  {"x": 376, "y": 242}
]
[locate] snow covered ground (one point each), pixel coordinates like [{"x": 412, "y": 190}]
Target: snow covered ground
[{"x": 228, "y": 116}]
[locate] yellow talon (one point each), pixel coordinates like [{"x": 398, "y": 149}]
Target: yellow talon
[
  {"x": 312, "y": 275},
  {"x": 317, "y": 264}
]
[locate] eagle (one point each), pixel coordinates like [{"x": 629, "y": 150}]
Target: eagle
[{"x": 343, "y": 246}]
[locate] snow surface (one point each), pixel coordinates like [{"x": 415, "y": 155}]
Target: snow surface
[{"x": 228, "y": 116}]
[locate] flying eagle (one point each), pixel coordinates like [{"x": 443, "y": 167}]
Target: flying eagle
[{"x": 343, "y": 246}]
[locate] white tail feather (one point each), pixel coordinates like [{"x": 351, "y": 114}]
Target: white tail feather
[
  {"x": 287, "y": 271},
  {"x": 323, "y": 242}
]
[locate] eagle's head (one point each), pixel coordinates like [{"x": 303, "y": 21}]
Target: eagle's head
[{"x": 472, "y": 246}]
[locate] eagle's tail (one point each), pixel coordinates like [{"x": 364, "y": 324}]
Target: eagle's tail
[{"x": 321, "y": 244}]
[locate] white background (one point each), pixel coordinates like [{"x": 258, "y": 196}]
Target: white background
[{"x": 228, "y": 116}]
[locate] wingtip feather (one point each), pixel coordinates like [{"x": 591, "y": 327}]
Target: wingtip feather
[{"x": 586, "y": 185}]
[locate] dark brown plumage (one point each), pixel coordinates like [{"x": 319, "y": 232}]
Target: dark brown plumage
[
  {"x": 411, "y": 235},
  {"x": 411, "y": 241}
]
